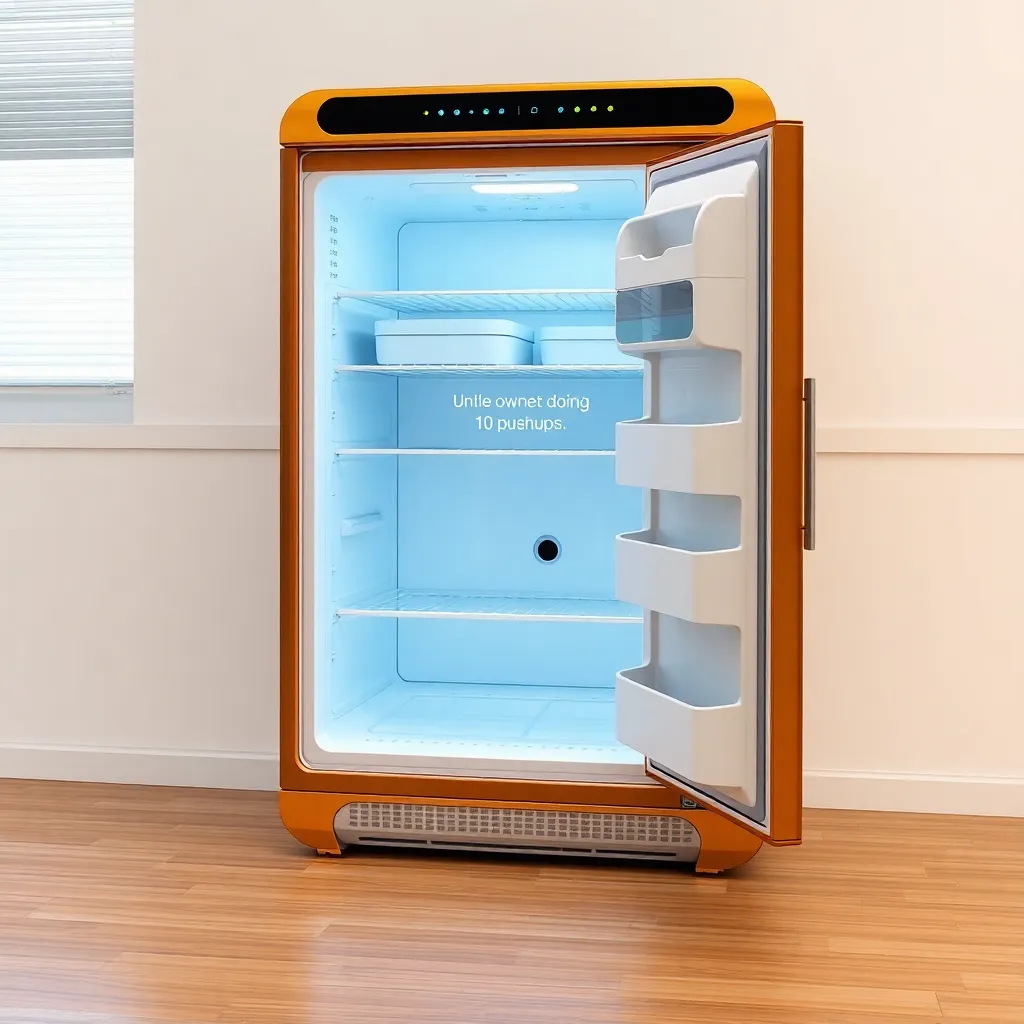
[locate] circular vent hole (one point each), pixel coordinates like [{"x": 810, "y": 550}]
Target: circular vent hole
[{"x": 547, "y": 549}]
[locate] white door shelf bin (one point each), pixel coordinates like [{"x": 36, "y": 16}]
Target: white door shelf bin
[
  {"x": 715, "y": 233},
  {"x": 705, "y": 459},
  {"x": 705, "y": 745},
  {"x": 717, "y": 317},
  {"x": 699, "y": 586}
]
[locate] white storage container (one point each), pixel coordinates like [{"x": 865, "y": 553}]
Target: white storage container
[
  {"x": 581, "y": 346},
  {"x": 460, "y": 342}
]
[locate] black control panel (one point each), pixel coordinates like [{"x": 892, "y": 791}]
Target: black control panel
[{"x": 511, "y": 111}]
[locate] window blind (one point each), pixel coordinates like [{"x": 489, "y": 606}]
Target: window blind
[{"x": 66, "y": 190}]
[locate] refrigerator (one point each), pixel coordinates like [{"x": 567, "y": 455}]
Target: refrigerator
[{"x": 547, "y": 470}]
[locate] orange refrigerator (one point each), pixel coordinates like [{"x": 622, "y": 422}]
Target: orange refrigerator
[{"x": 547, "y": 470}]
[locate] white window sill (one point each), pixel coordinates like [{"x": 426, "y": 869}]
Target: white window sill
[{"x": 20, "y": 403}]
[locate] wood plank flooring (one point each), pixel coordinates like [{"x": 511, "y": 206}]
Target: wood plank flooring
[{"x": 126, "y": 905}]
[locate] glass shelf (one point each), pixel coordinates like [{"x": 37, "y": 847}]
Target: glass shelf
[
  {"x": 588, "y": 372},
  {"x": 534, "y": 301},
  {"x": 421, "y": 604},
  {"x": 559, "y": 452},
  {"x": 512, "y": 721}
]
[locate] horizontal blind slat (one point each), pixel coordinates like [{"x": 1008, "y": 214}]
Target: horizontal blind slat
[
  {"x": 66, "y": 269},
  {"x": 66, "y": 191},
  {"x": 66, "y": 83}
]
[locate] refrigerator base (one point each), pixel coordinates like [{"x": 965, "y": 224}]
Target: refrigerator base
[{"x": 313, "y": 819}]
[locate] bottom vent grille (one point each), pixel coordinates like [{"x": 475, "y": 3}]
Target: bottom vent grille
[{"x": 569, "y": 832}]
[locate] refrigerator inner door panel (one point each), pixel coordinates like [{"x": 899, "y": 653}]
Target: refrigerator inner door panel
[
  {"x": 686, "y": 275},
  {"x": 461, "y": 507}
]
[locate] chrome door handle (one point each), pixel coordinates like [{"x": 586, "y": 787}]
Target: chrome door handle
[{"x": 809, "y": 467}]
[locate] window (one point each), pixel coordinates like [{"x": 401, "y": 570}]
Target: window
[{"x": 66, "y": 184}]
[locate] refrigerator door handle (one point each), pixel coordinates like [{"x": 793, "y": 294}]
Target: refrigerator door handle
[{"x": 809, "y": 463}]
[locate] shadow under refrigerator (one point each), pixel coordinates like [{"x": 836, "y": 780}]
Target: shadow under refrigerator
[{"x": 547, "y": 470}]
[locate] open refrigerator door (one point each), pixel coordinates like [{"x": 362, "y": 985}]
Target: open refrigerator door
[{"x": 709, "y": 293}]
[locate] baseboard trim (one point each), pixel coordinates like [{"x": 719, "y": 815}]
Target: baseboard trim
[
  {"x": 202, "y": 769},
  {"x": 205, "y": 769},
  {"x": 923, "y": 794}
]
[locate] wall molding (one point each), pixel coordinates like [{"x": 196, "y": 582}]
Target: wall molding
[
  {"x": 991, "y": 796},
  {"x": 210, "y": 769},
  {"x": 266, "y": 437},
  {"x": 142, "y": 436},
  {"x": 203, "y": 769},
  {"x": 920, "y": 440}
]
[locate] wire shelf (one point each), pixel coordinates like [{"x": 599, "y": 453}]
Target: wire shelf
[
  {"x": 534, "y": 301},
  {"x": 558, "y": 452},
  {"x": 419, "y": 604},
  {"x": 444, "y": 371}
]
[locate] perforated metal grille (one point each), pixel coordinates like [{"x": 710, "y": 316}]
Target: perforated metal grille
[{"x": 511, "y": 824}]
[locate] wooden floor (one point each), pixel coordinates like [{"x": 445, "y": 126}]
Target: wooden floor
[{"x": 121, "y": 904}]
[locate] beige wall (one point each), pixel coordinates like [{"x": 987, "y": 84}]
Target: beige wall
[
  {"x": 914, "y": 681},
  {"x": 138, "y": 614}
]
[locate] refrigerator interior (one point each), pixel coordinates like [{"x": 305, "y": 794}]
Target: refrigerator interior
[{"x": 460, "y": 520}]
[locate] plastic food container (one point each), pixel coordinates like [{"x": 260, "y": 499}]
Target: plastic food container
[
  {"x": 580, "y": 346},
  {"x": 472, "y": 342}
]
